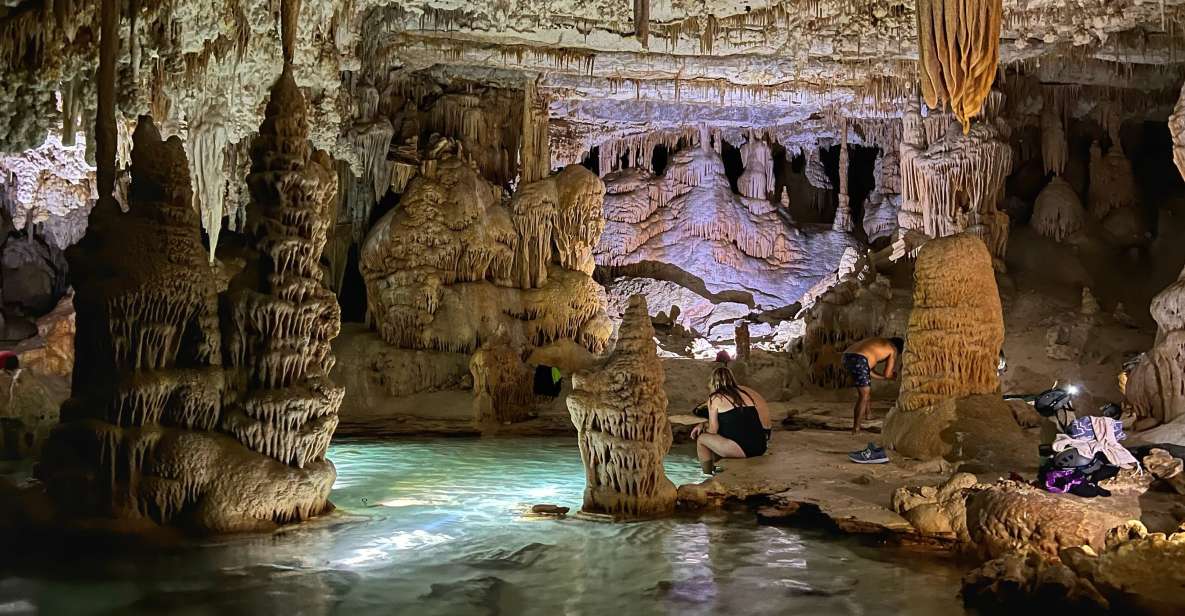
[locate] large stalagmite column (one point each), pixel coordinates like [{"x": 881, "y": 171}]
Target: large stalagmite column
[
  {"x": 843, "y": 211},
  {"x": 952, "y": 347},
  {"x": 620, "y": 412},
  {"x": 1157, "y": 387}
]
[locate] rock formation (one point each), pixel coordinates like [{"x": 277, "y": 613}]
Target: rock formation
[
  {"x": 620, "y": 412},
  {"x": 952, "y": 182},
  {"x": 1156, "y": 388},
  {"x": 455, "y": 265},
  {"x": 959, "y": 48},
  {"x": 1058, "y": 213},
  {"x": 722, "y": 237},
  {"x": 159, "y": 431},
  {"x": 948, "y": 404}
]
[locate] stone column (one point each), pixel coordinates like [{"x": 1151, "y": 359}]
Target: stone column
[{"x": 620, "y": 412}]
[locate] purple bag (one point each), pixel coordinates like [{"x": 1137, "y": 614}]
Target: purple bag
[{"x": 1060, "y": 481}]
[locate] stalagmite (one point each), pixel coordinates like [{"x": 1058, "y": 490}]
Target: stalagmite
[
  {"x": 1156, "y": 388},
  {"x": 949, "y": 381},
  {"x": 1057, "y": 213},
  {"x": 959, "y": 50},
  {"x": 1112, "y": 182},
  {"x": 619, "y": 409},
  {"x": 757, "y": 181}
]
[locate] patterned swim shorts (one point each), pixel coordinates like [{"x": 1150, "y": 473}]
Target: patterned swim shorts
[{"x": 857, "y": 366}]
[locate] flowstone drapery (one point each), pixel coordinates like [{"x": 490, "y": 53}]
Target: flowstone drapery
[
  {"x": 147, "y": 437},
  {"x": 958, "y": 49},
  {"x": 948, "y": 404},
  {"x": 619, "y": 409}
]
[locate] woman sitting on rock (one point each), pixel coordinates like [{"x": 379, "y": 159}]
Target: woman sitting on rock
[{"x": 738, "y": 422}]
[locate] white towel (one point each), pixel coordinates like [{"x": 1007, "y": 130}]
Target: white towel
[{"x": 1104, "y": 441}]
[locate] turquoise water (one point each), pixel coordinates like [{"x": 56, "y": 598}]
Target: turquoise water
[{"x": 439, "y": 527}]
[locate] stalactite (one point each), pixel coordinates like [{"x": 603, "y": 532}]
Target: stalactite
[
  {"x": 620, "y": 413},
  {"x": 959, "y": 50},
  {"x": 1053, "y": 141},
  {"x": 843, "y": 213},
  {"x": 534, "y": 155},
  {"x": 955, "y": 183},
  {"x": 642, "y": 22},
  {"x": 105, "y": 136},
  {"x": 207, "y": 145}
]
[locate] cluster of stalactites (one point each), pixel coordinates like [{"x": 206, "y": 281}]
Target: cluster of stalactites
[
  {"x": 959, "y": 50},
  {"x": 454, "y": 249},
  {"x": 951, "y": 183},
  {"x": 620, "y": 413},
  {"x": 637, "y": 151},
  {"x": 956, "y": 327}
]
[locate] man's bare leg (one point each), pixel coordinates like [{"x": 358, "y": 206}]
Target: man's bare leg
[{"x": 862, "y": 404}]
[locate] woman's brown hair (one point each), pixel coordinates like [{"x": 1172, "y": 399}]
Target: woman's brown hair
[{"x": 725, "y": 384}]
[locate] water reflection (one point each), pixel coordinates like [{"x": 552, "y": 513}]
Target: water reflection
[{"x": 442, "y": 527}]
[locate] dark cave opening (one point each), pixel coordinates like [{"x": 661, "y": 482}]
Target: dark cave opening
[{"x": 861, "y": 181}]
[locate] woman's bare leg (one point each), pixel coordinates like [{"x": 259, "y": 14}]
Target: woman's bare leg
[{"x": 714, "y": 447}]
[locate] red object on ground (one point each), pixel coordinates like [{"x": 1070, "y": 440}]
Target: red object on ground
[{"x": 4, "y": 355}]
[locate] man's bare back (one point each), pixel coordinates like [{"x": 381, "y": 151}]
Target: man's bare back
[{"x": 876, "y": 350}]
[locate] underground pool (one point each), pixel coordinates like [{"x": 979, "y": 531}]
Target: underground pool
[{"x": 443, "y": 527}]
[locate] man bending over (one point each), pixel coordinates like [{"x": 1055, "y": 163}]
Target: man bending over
[{"x": 859, "y": 360}]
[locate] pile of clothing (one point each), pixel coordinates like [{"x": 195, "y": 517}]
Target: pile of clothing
[{"x": 1086, "y": 453}]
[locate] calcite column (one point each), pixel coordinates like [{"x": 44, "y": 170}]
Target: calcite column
[
  {"x": 843, "y": 209},
  {"x": 282, "y": 328},
  {"x": 1156, "y": 388},
  {"x": 144, "y": 439},
  {"x": 620, "y": 412},
  {"x": 952, "y": 346}
]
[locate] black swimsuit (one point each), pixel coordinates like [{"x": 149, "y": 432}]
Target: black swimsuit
[{"x": 742, "y": 425}]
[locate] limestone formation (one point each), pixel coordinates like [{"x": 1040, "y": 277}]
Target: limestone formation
[
  {"x": 952, "y": 182},
  {"x": 857, "y": 306},
  {"x": 937, "y": 511},
  {"x": 1112, "y": 183},
  {"x": 959, "y": 48},
  {"x": 952, "y": 345},
  {"x": 159, "y": 431},
  {"x": 690, "y": 218},
  {"x": 1137, "y": 569},
  {"x": 458, "y": 269},
  {"x": 1011, "y": 516},
  {"x": 1058, "y": 213},
  {"x": 620, "y": 412},
  {"x": 1156, "y": 388},
  {"x": 1054, "y": 150}
]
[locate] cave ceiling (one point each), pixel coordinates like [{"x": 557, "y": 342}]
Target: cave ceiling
[{"x": 791, "y": 68}]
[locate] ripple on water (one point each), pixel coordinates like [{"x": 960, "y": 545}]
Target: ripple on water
[{"x": 443, "y": 532}]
